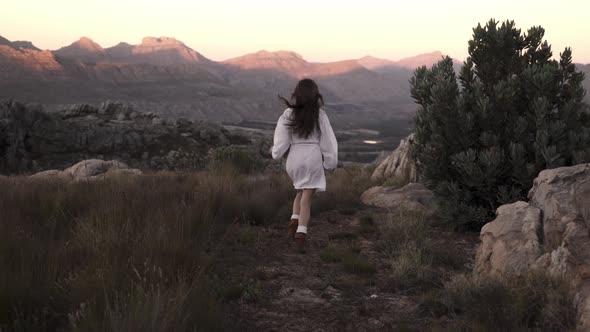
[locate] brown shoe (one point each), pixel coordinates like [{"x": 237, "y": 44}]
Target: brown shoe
[
  {"x": 292, "y": 228},
  {"x": 300, "y": 242}
]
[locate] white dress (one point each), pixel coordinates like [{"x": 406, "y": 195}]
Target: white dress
[{"x": 307, "y": 156}]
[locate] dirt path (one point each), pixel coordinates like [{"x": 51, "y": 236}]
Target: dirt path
[{"x": 269, "y": 287}]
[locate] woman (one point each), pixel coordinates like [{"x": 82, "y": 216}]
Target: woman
[{"x": 304, "y": 130}]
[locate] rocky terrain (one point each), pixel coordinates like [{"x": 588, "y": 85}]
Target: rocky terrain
[
  {"x": 549, "y": 233},
  {"x": 166, "y": 75},
  {"x": 33, "y": 140}
]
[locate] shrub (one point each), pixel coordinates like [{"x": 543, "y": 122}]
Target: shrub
[{"x": 516, "y": 113}]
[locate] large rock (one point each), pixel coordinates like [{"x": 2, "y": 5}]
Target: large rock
[
  {"x": 551, "y": 232},
  {"x": 511, "y": 243},
  {"x": 91, "y": 169},
  {"x": 34, "y": 140},
  {"x": 95, "y": 167},
  {"x": 52, "y": 174},
  {"x": 398, "y": 165},
  {"x": 414, "y": 197}
]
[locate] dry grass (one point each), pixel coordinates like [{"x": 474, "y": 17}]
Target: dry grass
[
  {"x": 418, "y": 259},
  {"x": 133, "y": 254},
  {"x": 127, "y": 254},
  {"x": 348, "y": 256},
  {"x": 344, "y": 187},
  {"x": 534, "y": 302}
]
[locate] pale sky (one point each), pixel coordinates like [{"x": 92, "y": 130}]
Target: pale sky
[{"x": 319, "y": 30}]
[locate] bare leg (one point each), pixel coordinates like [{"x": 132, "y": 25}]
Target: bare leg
[
  {"x": 305, "y": 206},
  {"x": 297, "y": 202}
]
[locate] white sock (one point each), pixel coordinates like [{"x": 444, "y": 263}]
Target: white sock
[
  {"x": 302, "y": 229},
  {"x": 295, "y": 216}
]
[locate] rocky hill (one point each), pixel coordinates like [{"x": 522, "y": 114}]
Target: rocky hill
[
  {"x": 165, "y": 71},
  {"x": 85, "y": 50},
  {"x": 165, "y": 74},
  {"x": 32, "y": 139}
]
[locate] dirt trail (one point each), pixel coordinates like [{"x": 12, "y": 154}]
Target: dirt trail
[{"x": 277, "y": 289}]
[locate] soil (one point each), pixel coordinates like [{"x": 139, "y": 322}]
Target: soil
[{"x": 268, "y": 286}]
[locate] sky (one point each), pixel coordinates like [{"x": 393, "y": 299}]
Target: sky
[{"x": 319, "y": 30}]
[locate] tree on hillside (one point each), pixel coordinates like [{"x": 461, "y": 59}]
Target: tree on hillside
[{"x": 482, "y": 137}]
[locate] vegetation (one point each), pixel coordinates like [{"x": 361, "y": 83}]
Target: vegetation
[
  {"x": 135, "y": 254},
  {"x": 535, "y": 302},
  {"x": 418, "y": 259},
  {"x": 152, "y": 253},
  {"x": 242, "y": 159},
  {"x": 482, "y": 138},
  {"x": 350, "y": 259},
  {"x": 425, "y": 263}
]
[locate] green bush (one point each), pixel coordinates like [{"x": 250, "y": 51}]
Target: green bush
[{"x": 482, "y": 139}]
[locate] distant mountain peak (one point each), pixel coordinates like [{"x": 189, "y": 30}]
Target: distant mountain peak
[
  {"x": 88, "y": 44},
  {"x": 167, "y": 51},
  {"x": 160, "y": 41},
  {"x": 84, "y": 49},
  {"x": 424, "y": 59},
  {"x": 374, "y": 63},
  {"x": 370, "y": 57},
  {"x": 4, "y": 41},
  {"x": 279, "y": 54},
  {"x": 24, "y": 44}
]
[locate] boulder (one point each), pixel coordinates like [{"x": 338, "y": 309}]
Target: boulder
[
  {"x": 550, "y": 232},
  {"x": 52, "y": 174},
  {"x": 96, "y": 167},
  {"x": 413, "y": 197},
  {"x": 91, "y": 169},
  {"x": 398, "y": 165},
  {"x": 510, "y": 244}
]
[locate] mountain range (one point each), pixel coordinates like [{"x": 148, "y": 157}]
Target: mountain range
[{"x": 165, "y": 75}]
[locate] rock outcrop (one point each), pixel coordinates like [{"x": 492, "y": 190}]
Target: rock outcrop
[
  {"x": 413, "y": 197},
  {"x": 33, "y": 140},
  {"x": 551, "y": 232},
  {"x": 398, "y": 165},
  {"x": 91, "y": 169}
]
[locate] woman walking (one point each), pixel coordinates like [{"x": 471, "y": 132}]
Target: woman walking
[{"x": 305, "y": 132}]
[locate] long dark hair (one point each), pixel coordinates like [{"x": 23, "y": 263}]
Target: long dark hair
[{"x": 306, "y": 109}]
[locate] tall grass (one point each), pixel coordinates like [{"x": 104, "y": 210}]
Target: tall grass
[
  {"x": 131, "y": 253},
  {"x": 344, "y": 188},
  {"x": 127, "y": 254},
  {"x": 535, "y": 302}
]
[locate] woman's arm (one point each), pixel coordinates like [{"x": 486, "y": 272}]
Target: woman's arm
[
  {"x": 282, "y": 138},
  {"x": 328, "y": 143}
]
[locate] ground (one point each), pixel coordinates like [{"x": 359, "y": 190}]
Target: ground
[{"x": 270, "y": 287}]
